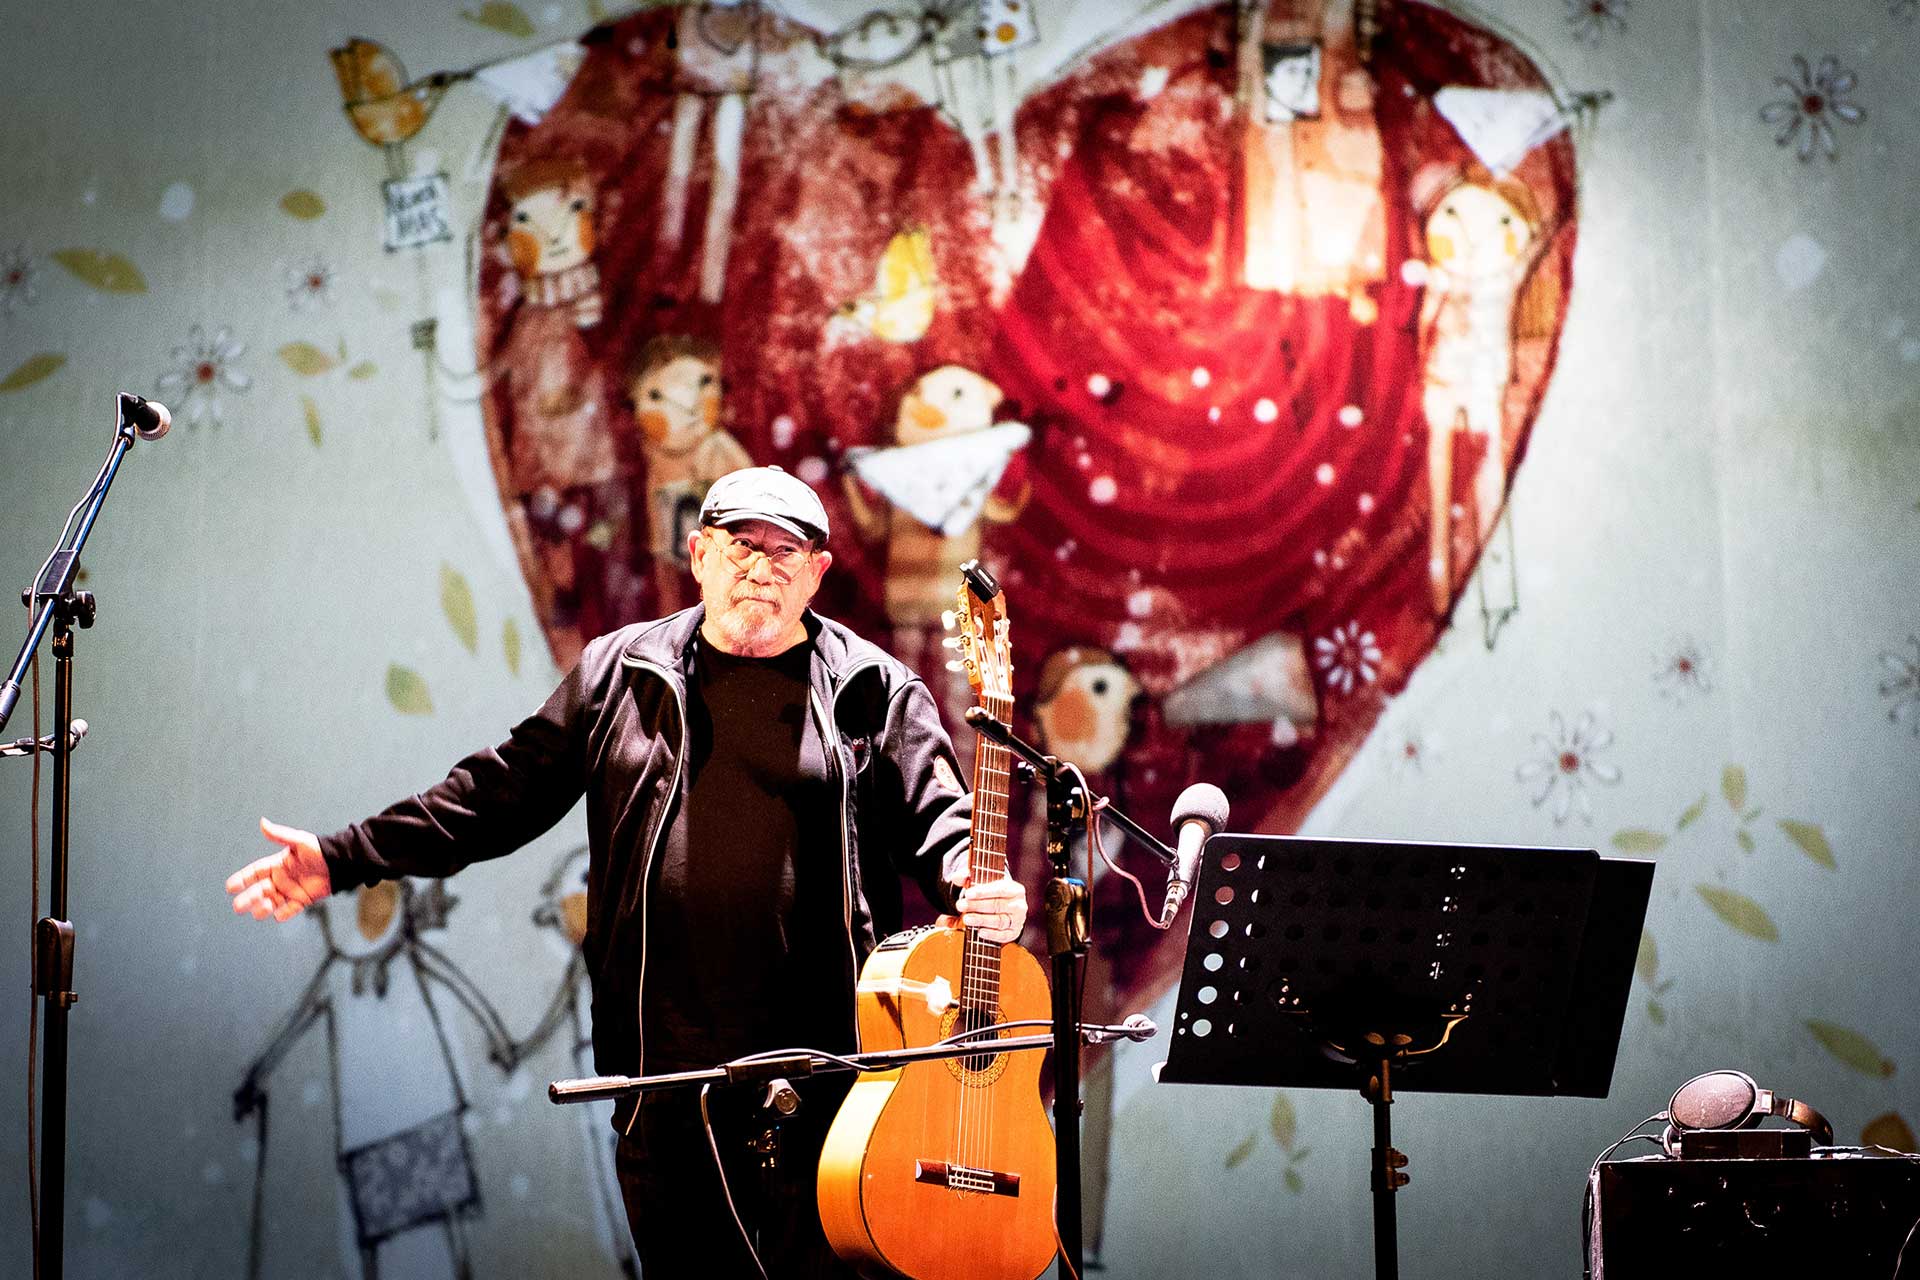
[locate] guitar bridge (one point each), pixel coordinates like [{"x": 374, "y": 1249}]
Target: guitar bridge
[{"x": 958, "y": 1177}]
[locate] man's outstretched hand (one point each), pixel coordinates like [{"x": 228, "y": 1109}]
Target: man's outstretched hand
[{"x": 285, "y": 882}]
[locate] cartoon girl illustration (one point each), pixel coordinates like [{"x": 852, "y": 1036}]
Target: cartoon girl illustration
[
  {"x": 1482, "y": 241},
  {"x": 568, "y": 486},
  {"x": 406, "y": 1168},
  {"x": 675, "y": 388}
]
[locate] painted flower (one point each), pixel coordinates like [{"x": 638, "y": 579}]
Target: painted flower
[
  {"x": 1349, "y": 656},
  {"x": 1590, "y": 20},
  {"x": 1902, "y": 685},
  {"x": 1410, "y": 749},
  {"x": 1815, "y": 99},
  {"x": 309, "y": 283},
  {"x": 19, "y": 278},
  {"x": 1566, "y": 764},
  {"x": 1681, "y": 671},
  {"x": 204, "y": 370}
]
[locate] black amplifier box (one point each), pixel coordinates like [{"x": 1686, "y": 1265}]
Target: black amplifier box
[{"x": 1837, "y": 1216}]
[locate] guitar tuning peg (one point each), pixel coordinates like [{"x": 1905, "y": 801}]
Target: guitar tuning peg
[
  {"x": 956, "y": 665},
  {"x": 949, "y": 619},
  {"x": 950, "y": 642}
]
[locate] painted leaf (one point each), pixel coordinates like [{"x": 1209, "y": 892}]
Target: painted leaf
[
  {"x": 1638, "y": 840},
  {"x": 108, "y": 272},
  {"x": 1740, "y": 911},
  {"x": 456, "y": 601},
  {"x": 1692, "y": 814},
  {"x": 312, "y": 412},
  {"x": 362, "y": 371},
  {"x": 407, "y": 691},
  {"x": 502, "y": 16},
  {"x": 306, "y": 359},
  {"x": 1282, "y": 1121},
  {"x": 1852, "y": 1048},
  {"x": 1647, "y": 963},
  {"x": 33, "y": 369},
  {"x": 1295, "y": 1183},
  {"x": 510, "y": 641},
  {"x": 303, "y": 204},
  {"x": 1300, "y": 1155},
  {"x": 1238, "y": 1156},
  {"x": 1888, "y": 1130},
  {"x": 1745, "y": 837},
  {"x": 1656, "y": 1013},
  {"x": 1812, "y": 841},
  {"x": 1733, "y": 785}
]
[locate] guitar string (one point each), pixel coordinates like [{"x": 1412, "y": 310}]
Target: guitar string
[
  {"x": 980, "y": 964},
  {"x": 994, "y": 831}
]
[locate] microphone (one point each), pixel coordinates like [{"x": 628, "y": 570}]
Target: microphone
[
  {"x": 149, "y": 418},
  {"x": 1138, "y": 1027},
  {"x": 1200, "y": 811}
]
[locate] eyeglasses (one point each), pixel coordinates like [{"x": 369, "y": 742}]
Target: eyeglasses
[{"x": 740, "y": 554}]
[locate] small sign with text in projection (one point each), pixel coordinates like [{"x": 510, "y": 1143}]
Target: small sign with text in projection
[{"x": 419, "y": 211}]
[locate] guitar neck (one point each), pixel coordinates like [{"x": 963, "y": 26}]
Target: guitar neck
[{"x": 980, "y": 982}]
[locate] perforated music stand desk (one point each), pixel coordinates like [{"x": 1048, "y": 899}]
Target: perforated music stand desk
[{"x": 1383, "y": 965}]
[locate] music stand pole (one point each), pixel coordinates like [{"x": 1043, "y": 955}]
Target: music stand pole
[{"x": 1068, "y": 924}]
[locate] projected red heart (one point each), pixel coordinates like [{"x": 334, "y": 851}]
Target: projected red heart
[{"x": 1278, "y": 314}]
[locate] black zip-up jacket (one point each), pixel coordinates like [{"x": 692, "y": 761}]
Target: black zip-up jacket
[{"x": 616, "y": 731}]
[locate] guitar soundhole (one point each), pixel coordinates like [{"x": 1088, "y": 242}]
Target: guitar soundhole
[{"x": 974, "y": 1069}]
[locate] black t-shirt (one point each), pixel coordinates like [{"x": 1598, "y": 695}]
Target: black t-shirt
[{"x": 746, "y": 942}]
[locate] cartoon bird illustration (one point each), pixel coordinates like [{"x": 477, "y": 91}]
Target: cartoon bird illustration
[
  {"x": 1083, "y": 706},
  {"x": 382, "y": 105},
  {"x": 900, "y": 307},
  {"x": 938, "y": 483},
  {"x": 943, "y": 476}
]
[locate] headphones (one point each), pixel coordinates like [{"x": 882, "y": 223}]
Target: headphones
[{"x": 1729, "y": 1099}]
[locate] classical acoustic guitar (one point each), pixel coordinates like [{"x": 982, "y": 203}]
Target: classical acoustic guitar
[{"x": 946, "y": 1168}]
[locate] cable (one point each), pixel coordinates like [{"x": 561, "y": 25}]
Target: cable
[
  {"x": 1900, "y": 1258},
  {"x": 1059, "y": 1241},
  {"x": 1099, "y": 845},
  {"x": 33, "y": 1004},
  {"x": 1593, "y": 1173},
  {"x": 719, "y": 1167}
]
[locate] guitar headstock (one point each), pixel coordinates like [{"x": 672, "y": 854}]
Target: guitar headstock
[{"x": 986, "y": 653}]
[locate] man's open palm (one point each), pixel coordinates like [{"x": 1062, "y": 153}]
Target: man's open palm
[{"x": 285, "y": 882}]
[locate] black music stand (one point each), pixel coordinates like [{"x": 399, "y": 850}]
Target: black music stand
[{"x": 1340, "y": 964}]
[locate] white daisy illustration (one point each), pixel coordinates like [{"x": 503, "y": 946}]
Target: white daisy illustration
[
  {"x": 309, "y": 283},
  {"x": 1815, "y": 98},
  {"x": 1348, "y": 656},
  {"x": 1565, "y": 764},
  {"x": 1591, "y": 20},
  {"x": 1681, "y": 671},
  {"x": 19, "y": 280},
  {"x": 204, "y": 370},
  {"x": 1902, "y": 686}
]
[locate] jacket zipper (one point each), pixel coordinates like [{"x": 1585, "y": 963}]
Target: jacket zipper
[
  {"x": 832, "y": 726},
  {"x": 646, "y": 868}
]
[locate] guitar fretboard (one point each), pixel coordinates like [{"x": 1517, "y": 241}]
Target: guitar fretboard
[{"x": 980, "y": 972}]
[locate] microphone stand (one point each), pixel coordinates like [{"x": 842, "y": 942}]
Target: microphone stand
[
  {"x": 1069, "y": 931},
  {"x": 57, "y": 606}
]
